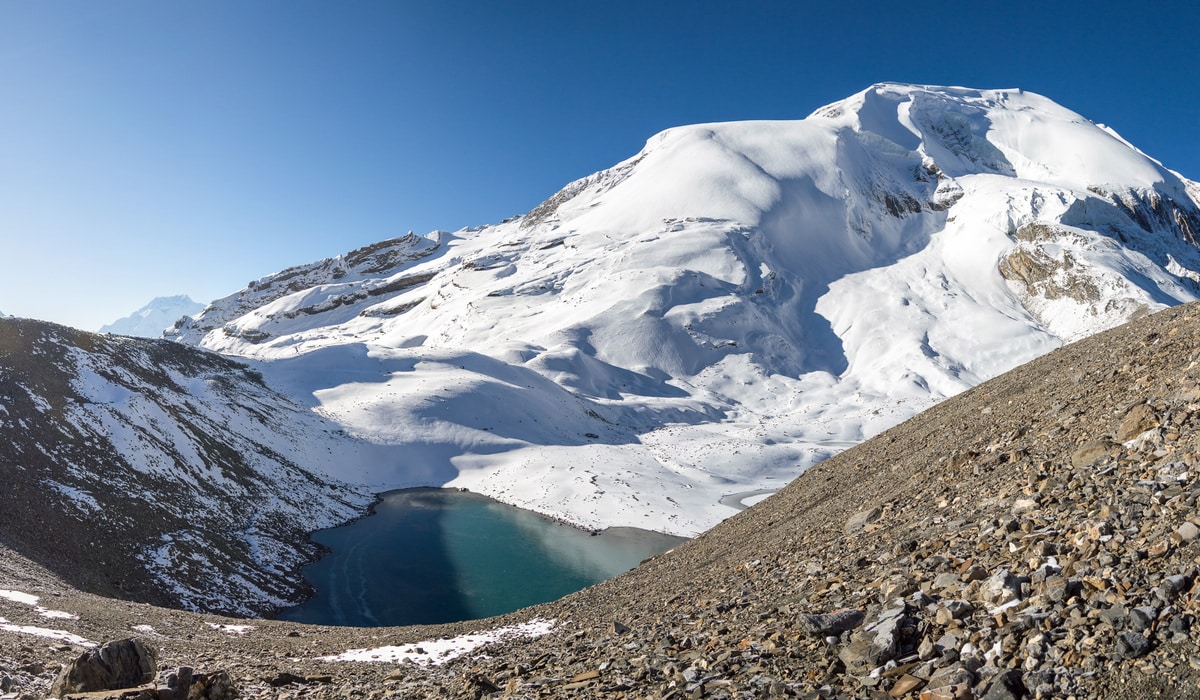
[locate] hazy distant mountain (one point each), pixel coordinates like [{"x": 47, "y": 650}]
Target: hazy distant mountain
[
  {"x": 729, "y": 306},
  {"x": 152, "y": 319}
]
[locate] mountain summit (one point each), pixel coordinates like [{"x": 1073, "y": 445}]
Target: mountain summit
[
  {"x": 663, "y": 340},
  {"x": 152, "y": 319}
]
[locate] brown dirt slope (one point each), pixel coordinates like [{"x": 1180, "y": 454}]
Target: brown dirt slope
[{"x": 1033, "y": 537}]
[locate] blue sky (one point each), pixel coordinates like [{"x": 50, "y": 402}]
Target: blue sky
[{"x": 151, "y": 148}]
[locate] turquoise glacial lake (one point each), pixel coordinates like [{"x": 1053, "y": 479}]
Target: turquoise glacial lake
[{"x": 438, "y": 555}]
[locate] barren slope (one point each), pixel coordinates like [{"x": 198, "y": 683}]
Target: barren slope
[{"x": 1033, "y": 531}]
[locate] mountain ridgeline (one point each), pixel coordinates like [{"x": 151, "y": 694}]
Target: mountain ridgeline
[
  {"x": 153, "y": 471},
  {"x": 778, "y": 290},
  {"x": 700, "y": 323}
]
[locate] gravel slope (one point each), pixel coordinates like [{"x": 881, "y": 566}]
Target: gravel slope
[{"x": 1034, "y": 536}]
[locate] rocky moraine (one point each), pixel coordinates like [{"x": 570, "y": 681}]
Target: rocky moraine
[{"x": 1036, "y": 536}]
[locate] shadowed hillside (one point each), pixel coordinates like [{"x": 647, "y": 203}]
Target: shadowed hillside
[{"x": 152, "y": 471}]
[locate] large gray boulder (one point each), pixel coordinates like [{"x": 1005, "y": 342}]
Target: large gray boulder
[{"x": 124, "y": 663}]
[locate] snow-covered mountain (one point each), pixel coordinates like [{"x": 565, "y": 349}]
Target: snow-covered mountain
[
  {"x": 730, "y": 305},
  {"x": 152, "y": 319},
  {"x": 190, "y": 479}
]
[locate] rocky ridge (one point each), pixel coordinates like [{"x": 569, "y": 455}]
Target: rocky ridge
[
  {"x": 1037, "y": 536},
  {"x": 152, "y": 471}
]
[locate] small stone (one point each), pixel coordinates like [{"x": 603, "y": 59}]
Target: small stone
[
  {"x": 1006, "y": 686},
  {"x": 586, "y": 676},
  {"x": 943, "y": 617},
  {"x": 974, "y": 573},
  {"x": 1001, "y": 588},
  {"x": 1090, "y": 453},
  {"x": 1141, "y": 618},
  {"x": 861, "y": 519},
  {"x": 950, "y": 683},
  {"x": 1117, "y": 617},
  {"x": 1158, "y": 549},
  {"x": 1132, "y": 645},
  {"x": 1188, "y": 532},
  {"x": 1057, "y": 588},
  {"x": 904, "y": 685},
  {"x": 214, "y": 686},
  {"x": 897, "y": 588},
  {"x": 284, "y": 678}
]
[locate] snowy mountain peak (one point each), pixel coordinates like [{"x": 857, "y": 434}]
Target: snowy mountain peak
[
  {"x": 1006, "y": 132},
  {"x": 731, "y": 304},
  {"x": 155, "y": 317}
]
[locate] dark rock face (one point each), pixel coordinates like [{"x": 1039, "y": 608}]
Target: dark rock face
[{"x": 114, "y": 665}]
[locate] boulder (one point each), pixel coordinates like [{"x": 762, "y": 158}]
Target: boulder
[
  {"x": 835, "y": 623},
  {"x": 1139, "y": 419},
  {"x": 1090, "y": 453},
  {"x": 124, "y": 663},
  {"x": 212, "y": 686}
]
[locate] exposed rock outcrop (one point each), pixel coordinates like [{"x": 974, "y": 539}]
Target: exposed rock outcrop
[{"x": 114, "y": 665}]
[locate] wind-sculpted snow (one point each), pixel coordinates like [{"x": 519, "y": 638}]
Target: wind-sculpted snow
[{"x": 727, "y": 307}]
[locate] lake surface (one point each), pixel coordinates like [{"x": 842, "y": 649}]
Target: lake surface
[{"x": 439, "y": 555}]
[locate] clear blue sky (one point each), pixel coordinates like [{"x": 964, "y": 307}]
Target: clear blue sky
[{"x": 152, "y": 148}]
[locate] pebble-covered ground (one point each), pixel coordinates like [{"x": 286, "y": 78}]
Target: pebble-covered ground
[{"x": 1037, "y": 536}]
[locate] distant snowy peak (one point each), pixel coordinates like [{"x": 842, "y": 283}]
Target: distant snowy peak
[{"x": 152, "y": 319}]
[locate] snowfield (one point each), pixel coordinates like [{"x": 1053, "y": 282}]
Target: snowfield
[{"x": 724, "y": 309}]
